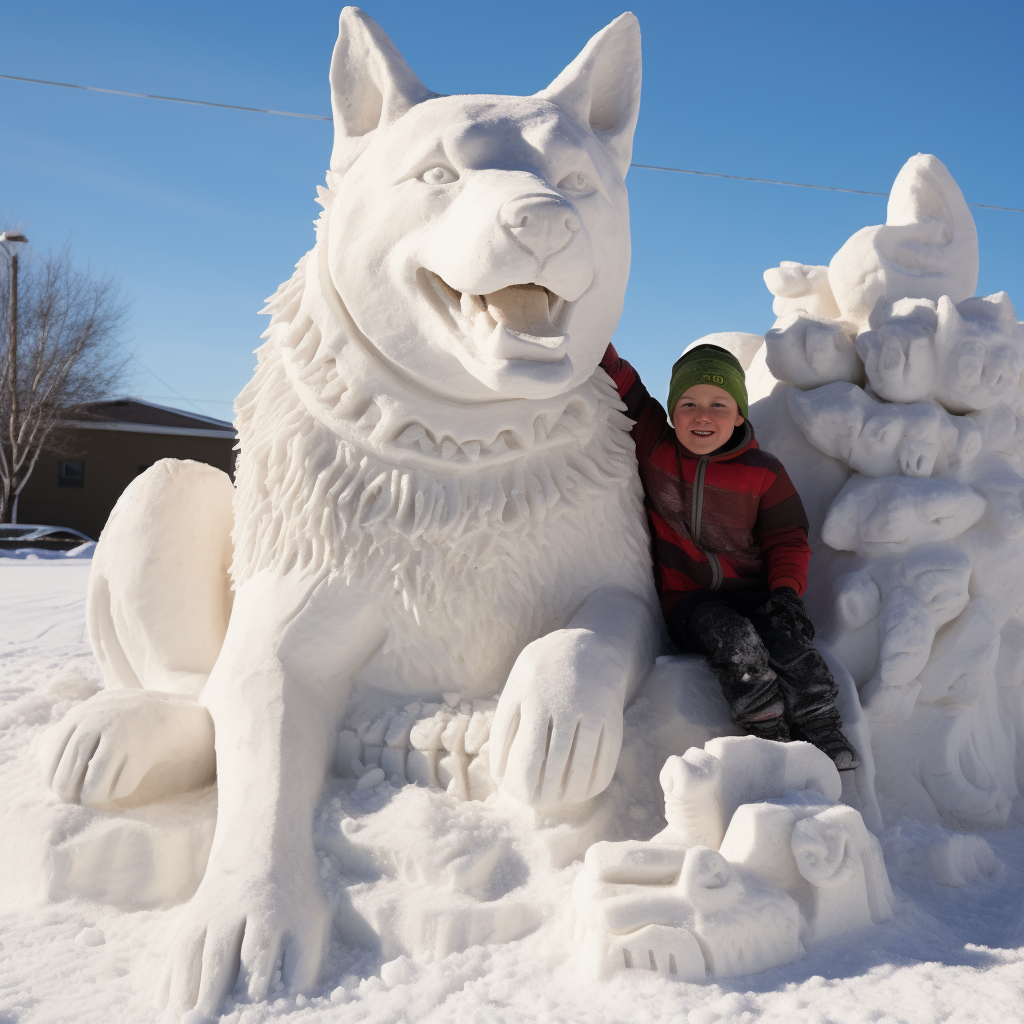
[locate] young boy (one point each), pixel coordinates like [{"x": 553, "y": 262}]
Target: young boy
[{"x": 729, "y": 539}]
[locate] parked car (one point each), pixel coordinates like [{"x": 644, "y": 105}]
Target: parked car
[{"x": 50, "y": 538}]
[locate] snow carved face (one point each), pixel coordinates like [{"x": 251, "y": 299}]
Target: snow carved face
[
  {"x": 877, "y": 439},
  {"x": 966, "y": 357},
  {"x": 894, "y": 514}
]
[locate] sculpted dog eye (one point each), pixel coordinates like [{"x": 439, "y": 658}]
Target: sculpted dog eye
[
  {"x": 439, "y": 176},
  {"x": 575, "y": 182}
]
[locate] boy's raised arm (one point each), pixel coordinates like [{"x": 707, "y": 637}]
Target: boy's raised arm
[{"x": 647, "y": 412}]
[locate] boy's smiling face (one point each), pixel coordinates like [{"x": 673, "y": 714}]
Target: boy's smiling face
[{"x": 705, "y": 417}]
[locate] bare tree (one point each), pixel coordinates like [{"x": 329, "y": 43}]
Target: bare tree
[{"x": 63, "y": 351}]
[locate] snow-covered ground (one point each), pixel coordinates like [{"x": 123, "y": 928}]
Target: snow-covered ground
[{"x": 950, "y": 954}]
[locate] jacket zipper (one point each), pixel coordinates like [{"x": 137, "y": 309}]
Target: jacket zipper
[{"x": 696, "y": 515}]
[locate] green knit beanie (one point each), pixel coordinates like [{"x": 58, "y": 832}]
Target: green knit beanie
[{"x": 707, "y": 364}]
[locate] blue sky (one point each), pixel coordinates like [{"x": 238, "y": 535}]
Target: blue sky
[{"x": 201, "y": 213}]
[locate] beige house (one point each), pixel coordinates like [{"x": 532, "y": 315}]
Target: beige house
[{"x": 110, "y": 443}]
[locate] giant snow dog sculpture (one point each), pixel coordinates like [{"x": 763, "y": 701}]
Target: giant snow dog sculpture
[{"x": 435, "y": 494}]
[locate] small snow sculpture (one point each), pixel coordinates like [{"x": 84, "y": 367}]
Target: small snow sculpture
[
  {"x": 967, "y": 357},
  {"x": 893, "y": 608},
  {"x": 878, "y": 439},
  {"x": 890, "y": 514},
  {"x": 918, "y": 580},
  {"x": 800, "y": 288},
  {"x": 809, "y": 350},
  {"x": 436, "y": 495},
  {"x": 927, "y": 248},
  {"x": 758, "y": 861}
]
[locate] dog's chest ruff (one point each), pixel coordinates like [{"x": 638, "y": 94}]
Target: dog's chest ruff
[{"x": 471, "y": 546}]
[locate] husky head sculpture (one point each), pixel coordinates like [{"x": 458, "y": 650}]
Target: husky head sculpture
[{"x": 483, "y": 216}]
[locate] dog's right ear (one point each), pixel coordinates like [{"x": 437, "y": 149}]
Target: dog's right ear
[
  {"x": 371, "y": 85},
  {"x": 601, "y": 87}
]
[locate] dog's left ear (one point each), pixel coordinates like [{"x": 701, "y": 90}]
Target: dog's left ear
[
  {"x": 601, "y": 87},
  {"x": 371, "y": 85}
]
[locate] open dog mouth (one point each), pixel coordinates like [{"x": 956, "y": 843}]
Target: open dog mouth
[{"x": 522, "y": 321}]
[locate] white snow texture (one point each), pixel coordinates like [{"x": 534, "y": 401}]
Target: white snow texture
[{"x": 432, "y": 587}]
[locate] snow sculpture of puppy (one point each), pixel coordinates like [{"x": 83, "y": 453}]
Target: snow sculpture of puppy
[
  {"x": 889, "y": 612},
  {"x": 809, "y": 350},
  {"x": 436, "y": 494},
  {"x": 757, "y": 861},
  {"x": 878, "y": 439},
  {"x": 800, "y": 288},
  {"x": 934, "y": 511},
  {"x": 966, "y": 356}
]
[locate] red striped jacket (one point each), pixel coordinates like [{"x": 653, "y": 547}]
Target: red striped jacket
[{"x": 731, "y": 520}]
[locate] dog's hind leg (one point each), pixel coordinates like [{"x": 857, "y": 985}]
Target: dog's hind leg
[{"x": 157, "y": 610}]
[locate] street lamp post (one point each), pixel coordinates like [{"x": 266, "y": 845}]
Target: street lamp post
[{"x": 12, "y": 242}]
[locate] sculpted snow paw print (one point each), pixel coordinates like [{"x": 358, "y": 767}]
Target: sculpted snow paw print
[{"x": 128, "y": 745}]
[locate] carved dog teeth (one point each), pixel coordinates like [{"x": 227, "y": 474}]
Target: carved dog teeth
[{"x": 472, "y": 306}]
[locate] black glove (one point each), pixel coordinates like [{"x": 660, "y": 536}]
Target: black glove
[{"x": 786, "y": 611}]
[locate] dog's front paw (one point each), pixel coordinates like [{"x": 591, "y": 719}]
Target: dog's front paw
[
  {"x": 122, "y": 744},
  {"x": 239, "y": 928},
  {"x": 557, "y": 731}
]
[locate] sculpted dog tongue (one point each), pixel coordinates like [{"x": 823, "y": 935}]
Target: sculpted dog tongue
[{"x": 522, "y": 313}]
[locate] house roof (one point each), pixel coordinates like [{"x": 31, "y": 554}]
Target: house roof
[{"x": 139, "y": 416}]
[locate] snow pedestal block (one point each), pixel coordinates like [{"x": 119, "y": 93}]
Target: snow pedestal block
[
  {"x": 137, "y": 859},
  {"x": 758, "y": 860}
]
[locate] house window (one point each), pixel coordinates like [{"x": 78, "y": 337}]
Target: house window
[{"x": 72, "y": 474}]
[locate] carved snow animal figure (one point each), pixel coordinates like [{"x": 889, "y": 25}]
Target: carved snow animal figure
[
  {"x": 878, "y": 439},
  {"x": 436, "y": 493},
  {"x": 933, "y": 515},
  {"x": 757, "y": 861}
]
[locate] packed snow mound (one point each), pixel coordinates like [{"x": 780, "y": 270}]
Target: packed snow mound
[{"x": 899, "y": 418}]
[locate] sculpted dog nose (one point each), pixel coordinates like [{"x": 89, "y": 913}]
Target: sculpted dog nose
[{"x": 541, "y": 224}]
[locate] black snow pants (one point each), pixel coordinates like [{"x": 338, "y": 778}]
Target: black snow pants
[{"x": 759, "y": 647}]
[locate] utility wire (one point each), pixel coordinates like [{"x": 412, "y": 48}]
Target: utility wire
[
  {"x": 321, "y": 117},
  {"x": 797, "y": 184},
  {"x": 169, "y": 99},
  {"x": 152, "y": 373}
]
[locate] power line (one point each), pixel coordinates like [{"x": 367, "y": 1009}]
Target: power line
[
  {"x": 168, "y": 99},
  {"x": 798, "y": 184},
  {"x": 153, "y": 374},
  {"x": 321, "y": 117}
]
